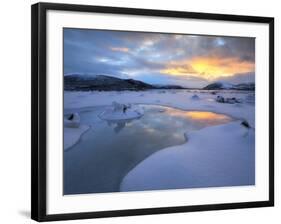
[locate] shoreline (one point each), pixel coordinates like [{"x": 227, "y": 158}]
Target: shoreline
[{"x": 176, "y": 158}]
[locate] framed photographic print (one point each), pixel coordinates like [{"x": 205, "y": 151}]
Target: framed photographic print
[{"x": 139, "y": 111}]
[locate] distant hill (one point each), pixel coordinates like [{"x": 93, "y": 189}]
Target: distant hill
[
  {"x": 82, "y": 82},
  {"x": 224, "y": 85}
]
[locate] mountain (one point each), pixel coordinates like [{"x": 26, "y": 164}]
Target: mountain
[
  {"x": 218, "y": 85},
  {"x": 169, "y": 87},
  {"x": 82, "y": 82},
  {"x": 245, "y": 86},
  {"x": 224, "y": 85}
]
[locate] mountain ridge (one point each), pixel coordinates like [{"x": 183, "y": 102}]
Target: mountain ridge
[
  {"x": 79, "y": 82},
  {"x": 89, "y": 82},
  {"x": 229, "y": 86}
]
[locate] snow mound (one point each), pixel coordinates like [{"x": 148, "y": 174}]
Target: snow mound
[
  {"x": 216, "y": 156},
  {"x": 120, "y": 111},
  {"x": 73, "y": 121},
  {"x": 195, "y": 97}
]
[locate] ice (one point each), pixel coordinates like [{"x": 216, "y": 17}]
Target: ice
[
  {"x": 72, "y": 135},
  {"x": 73, "y": 130},
  {"x": 120, "y": 111},
  {"x": 195, "y": 97}
]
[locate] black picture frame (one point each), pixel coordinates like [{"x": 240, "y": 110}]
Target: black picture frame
[{"x": 39, "y": 108}]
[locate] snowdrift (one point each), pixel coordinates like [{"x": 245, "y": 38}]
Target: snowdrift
[{"x": 211, "y": 157}]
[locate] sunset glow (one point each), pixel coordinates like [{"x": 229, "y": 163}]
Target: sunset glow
[
  {"x": 209, "y": 68},
  {"x": 204, "y": 115}
]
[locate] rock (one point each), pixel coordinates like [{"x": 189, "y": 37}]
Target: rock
[
  {"x": 185, "y": 136},
  {"x": 73, "y": 121},
  {"x": 245, "y": 124},
  {"x": 220, "y": 99},
  {"x": 232, "y": 100}
]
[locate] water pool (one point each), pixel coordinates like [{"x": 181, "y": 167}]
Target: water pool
[{"x": 109, "y": 150}]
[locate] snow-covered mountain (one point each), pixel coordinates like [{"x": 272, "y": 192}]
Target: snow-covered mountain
[
  {"x": 82, "y": 82},
  {"x": 245, "y": 86},
  {"x": 225, "y": 85}
]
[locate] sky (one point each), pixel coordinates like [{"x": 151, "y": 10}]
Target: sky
[{"x": 160, "y": 58}]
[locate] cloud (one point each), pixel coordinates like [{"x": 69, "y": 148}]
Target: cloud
[
  {"x": 121, "y": 49},
  {"x": 209, "y": 68},
  {"x": 173, "y": 58}
]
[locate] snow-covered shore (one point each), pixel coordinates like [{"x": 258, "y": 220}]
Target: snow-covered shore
[
  {"x": 72, "y": 135},
  {"x": 221, "y": 155}
]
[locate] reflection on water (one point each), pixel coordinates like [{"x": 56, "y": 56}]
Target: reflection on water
[
  {"x": 110, "y": 149},
  {"x": 117, "y": 125},
  {"x": 208, "y": 118}
]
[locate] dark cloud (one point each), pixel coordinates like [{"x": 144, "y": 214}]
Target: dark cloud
[{"x": 144, "y": 55}]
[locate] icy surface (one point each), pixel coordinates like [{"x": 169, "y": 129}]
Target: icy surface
[
  {"x": 181, "y": 99},
  {"x": 72, "y": 135},
  {"x": 121, "y": 112},
  {"x": 221, "y": 155}
]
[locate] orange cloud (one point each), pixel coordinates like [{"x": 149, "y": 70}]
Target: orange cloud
[
  {"x": 209, "y": 68},
  {"x": 121, "y": 49}
]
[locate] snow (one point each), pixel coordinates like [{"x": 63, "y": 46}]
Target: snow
[
  {"x": 121, "y": 112},
  {"x": 229, "y": 146},
  {"x": 73, "y": 130},
  {"x": 182, "y": 99},
  {"x": 72, "y": 135}
]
